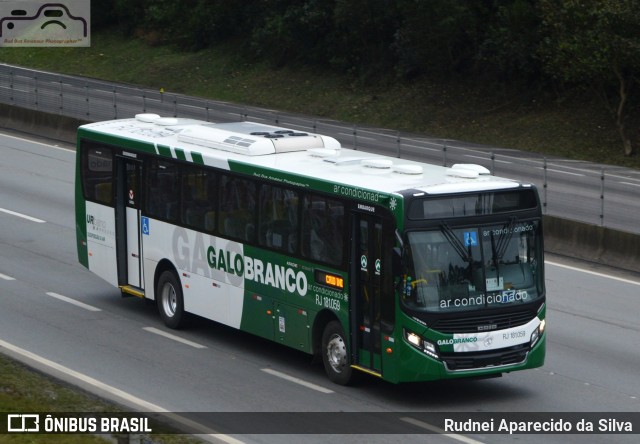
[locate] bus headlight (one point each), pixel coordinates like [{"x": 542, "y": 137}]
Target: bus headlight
[
  {"x": 534, "y": 336},
  {"x": 413, "y": 339},
  {"x": 428, "y": 348},
  {"x": 537, "y": 332}
]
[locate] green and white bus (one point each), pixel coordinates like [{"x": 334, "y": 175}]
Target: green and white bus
[{"x": 400, "y": 269}]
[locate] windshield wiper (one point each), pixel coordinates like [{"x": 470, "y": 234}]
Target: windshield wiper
[
  {"x": 500, "y": 248},
  {"x": 457, "y": 244}
]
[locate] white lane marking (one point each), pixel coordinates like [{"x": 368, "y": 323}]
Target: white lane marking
[
  {"x": 562, "y": 172},
  {"x": 438, "y": 430},
  {"x": 357, "y": 135},
  {"x": 297, "y": 380},
  {"x": 141, "y": 404},
  {"x": 235, "y": 114},
  {"x": 421, "y": 147},
  {"x": 73, "y": 301},
  {"x": 39, "y": 143},
  {"x": 24, "y": 216},
  {"x": 632, "y": 184},
  {"x": 594, "y": 273},
  {"x": 488, "y": 159},
  {"x": 173, "y": 337},
  {"x": 6, "y": 278}
]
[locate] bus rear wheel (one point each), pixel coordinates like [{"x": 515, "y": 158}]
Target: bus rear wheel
[
  {"x": 335, "y": 354},
  {"x": 169, "y": 299}
]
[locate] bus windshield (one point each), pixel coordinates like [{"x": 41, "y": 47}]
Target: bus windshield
[{"x": 473, "y": 268}]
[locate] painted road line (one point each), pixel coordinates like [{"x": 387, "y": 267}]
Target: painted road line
[
  {"x": 594, "y": 273},
  {"x": 4, "y": 277},
  {"x": 253, "y": 118},
  {"x": 297, "y": 381},
  {"x": 73, "y": 301},
  {"x": 422, "y": 147},
  {"x": 562, "y": 172},
  {"x": 39, "y": 143},
  {"x": 487, "y": 158},
  {"x": 357, "y": 135},
  {"x": 24, "y": 216},
  {"x": 127, "y": 398},
  {"x": 632, "y": 184},
  {"x": 439, "y": 431},
  {"x": 173, "y": 337}
]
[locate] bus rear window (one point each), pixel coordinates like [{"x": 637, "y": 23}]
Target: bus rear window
[
  {"x": 97, "y": 174},
  {"x": 473, "y": 204}
]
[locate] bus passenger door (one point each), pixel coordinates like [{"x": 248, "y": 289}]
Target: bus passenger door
[
  {"x": 367, "y": 291},
  {"x": 128, "y": 229}
]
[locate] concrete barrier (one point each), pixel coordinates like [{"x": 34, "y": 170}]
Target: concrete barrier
[
  {"x": 592, "y": 242},
  {"x": 51, "y": 126},
  {"x": 562, "y": 236}
]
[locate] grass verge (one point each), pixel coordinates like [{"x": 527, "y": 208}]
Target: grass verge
[{"x": 24, "y": 390}]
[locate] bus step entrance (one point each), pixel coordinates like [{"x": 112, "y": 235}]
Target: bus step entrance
[
  {"x": 129, "y": 290},
  {"x": 367, "y": 370}
]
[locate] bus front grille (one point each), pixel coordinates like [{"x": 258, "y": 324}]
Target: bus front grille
[{"x": 479, "y": 360}]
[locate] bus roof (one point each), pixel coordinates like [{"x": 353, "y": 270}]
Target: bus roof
[{"x": 270, "y": 151}]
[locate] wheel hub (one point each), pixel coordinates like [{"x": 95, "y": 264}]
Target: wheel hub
[
  {"x": 170, "y": 300},
  {"x": 337, "y": 353}
]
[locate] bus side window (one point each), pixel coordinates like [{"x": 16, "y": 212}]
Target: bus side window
[
  {"x": 336, "y": 233},
  {"x": 97, "y": 174},
  {"x": 237, "y": 208},
  {"x": 278, "y": 218},
  {"x": 164, "y": 190},
  {"x": 198, "y": 199},
  {"x": 322, "y": 229}
]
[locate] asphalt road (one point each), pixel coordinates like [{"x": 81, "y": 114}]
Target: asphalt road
[
  {"x": 573, "y": 188},
  {"x": 58, "y": 317}
]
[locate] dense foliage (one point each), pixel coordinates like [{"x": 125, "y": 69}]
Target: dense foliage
[{"x": 522, "y": 45}]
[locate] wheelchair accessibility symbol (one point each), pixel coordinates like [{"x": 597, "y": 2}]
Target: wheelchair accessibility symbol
[
  {"x": 470, "y": 239},
  {"x": 144, "y": 222}
]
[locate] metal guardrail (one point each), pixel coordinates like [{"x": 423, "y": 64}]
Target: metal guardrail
[{"x": 595, "y": 194}]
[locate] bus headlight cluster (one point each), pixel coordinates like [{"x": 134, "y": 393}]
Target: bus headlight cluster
[
  {"x": 538, "y": 332},
  {"x": 427, "y": 347}
]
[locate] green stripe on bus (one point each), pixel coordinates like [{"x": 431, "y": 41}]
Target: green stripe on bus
[
  {"x": 180, "y": 154},
  {"x": 197, "y": 158},
  {"x": 164, "y": 150}
]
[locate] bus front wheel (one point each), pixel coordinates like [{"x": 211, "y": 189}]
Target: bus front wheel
[
  {"x": 335, "y": 354},
  {"x": 169, "y": 299}
]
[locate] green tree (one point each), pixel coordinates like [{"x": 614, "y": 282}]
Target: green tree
[
  {"x": 287, "y": 32},
  {"x": 212, "y": 22},
  {"x": 508, "y": 47},
  {"x": 595, "y": 43},
  {"x": 102, "y": 14},
  {"x": 364, "y": 34},
  {"x": 435, "y": 38}
]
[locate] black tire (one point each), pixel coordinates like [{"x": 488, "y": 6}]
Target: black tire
[
  {"x": 169, "y": 300},
  {"x": 335, "y": 354}
]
